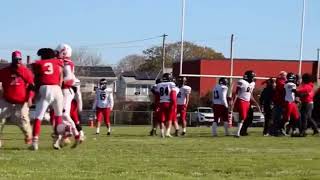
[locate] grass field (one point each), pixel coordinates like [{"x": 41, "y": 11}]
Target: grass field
[{"x": 130, "y": 154}]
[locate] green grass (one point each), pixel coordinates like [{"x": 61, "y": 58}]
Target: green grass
[{"x": 130, "y": 154}]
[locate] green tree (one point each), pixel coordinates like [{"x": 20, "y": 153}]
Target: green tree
[{"x": 191, "y": 51}]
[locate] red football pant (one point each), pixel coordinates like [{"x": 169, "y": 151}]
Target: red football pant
[
  {"x": 74, "y": 112},
  {"x": 243, "y": 108},
  {"x": 220, "y": 112},
  {"x": 291, "y": 110},
  {"x": 165, "y": 112},
  {"x": 182, "y": 110},
  {"x": 103, "y": 112}
]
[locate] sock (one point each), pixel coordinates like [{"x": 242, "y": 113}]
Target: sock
[
  {"x": 214, "y": 129},
  {"x": 79, "y": 128},
  {"x": 81, "y": 133},
  {"x": 162, "y": 131},
  {"x": 184, "y": 129},
  {"x": 226, "y": 128},
  {"x": 239, "y": 128},
  {"x": 109, "y": 129},
  {"x": 98, "y": 130},
  {"x": 36, "y": 129},
  {"x": 168, "y": 132}
]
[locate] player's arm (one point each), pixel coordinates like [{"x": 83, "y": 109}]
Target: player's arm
[
  {"x": 68, "y": 76},
  {"x": 255, "y": 102},
  {"x": 188, "y": 96},
  {"x": 224, "y": 93},
  {"x": 94, "y": 105},
  {"x": 79, "y": 100},
  {"x": 61, "y": 76},
  {"x": 111, "y": 100}
]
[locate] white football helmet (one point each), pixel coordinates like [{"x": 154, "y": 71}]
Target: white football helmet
[{"x": 64, "y": 51}]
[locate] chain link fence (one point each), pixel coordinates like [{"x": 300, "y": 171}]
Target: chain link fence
[{"x": 130, "y": 117}]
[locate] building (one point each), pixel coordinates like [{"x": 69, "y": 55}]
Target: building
[
  {"x": 262, "y": 67},
  {"x": 135, "y": 86},
  {"x": 90, "y": 76}
]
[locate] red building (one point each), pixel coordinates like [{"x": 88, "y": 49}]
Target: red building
[{"x": 262, "y": 68}]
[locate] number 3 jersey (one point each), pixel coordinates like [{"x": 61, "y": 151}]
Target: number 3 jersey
[
  {"x": 104, "y": 98},
  {"x": 164, "y": 89},
  {"x": 219, "y": 95},
  {"x": 245, "y": 89},
  {"x": 184, "y": 91},
  {"x": 48, "y": 71}
]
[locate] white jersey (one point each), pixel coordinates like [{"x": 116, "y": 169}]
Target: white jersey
[
  {"x": 184, "y": 91},
  {"x": 104, "y": 98},
  {"x": 78, "y": 95},
  {"x": 164, "y": 89},
  {"x": 245, "y": 89},
  {"x": 219, "y": 95},
  {"x": 290, "y": 96}
]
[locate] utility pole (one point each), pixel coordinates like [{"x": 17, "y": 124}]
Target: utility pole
[
  {"x": 163, "y": 51},
  {"x": 318, "y": 63},
  {"x": 231, "y": 64},
  {"x": 302, "y": 35}
]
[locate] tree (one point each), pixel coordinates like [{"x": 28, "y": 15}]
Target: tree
[
  {"x": 153, "y": 55},
  {"x": 84, "y": 57},
  {"x": 130, "y": 63}
]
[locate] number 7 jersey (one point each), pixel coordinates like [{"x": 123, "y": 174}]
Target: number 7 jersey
[
  {"x": 48, "y": 71},
  {"x": 104, "y": 98},
  {"x": 164, "y": 89}
]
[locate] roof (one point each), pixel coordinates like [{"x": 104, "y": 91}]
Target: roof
[
  {"x": 246, "y": 59},
  {"x": 94, "y": 71},
  {"x": 141, "y": 75},
  {"x": 132, "y": 80},
  {"x": 3, "y": 65}
]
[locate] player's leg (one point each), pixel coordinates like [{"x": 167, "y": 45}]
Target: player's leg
[
  {"x": 243, "y": 107},
  {"x": 99, "y": 116},
  {"x": 162, "y": 119},
  {"x": 168, "y": 118},
  {"x": 68, "y": 96},
  {"x": 225, "y": 119},
  {"x": 217, "y": 115},
  {"x": 5, "y": 111},
  {"x": 175, "y": 121},
  {"x": 74, "y": 114},
  {"x": 106, "y": 114},
  {"x": 183, "y": 114},
  {"x": 23, "y": 121},
  {"x": 155, "y": 121},
  {"x": 41, "y": 107}
]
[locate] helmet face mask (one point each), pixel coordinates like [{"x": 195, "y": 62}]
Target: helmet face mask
[
  {"x": 166, "y": 77},
  {"x": 249, "y": 76},
  {"x": 64, "y": 51},
  {"x": 182, "y": 81},
  {"x": 223, "y": 81},
  {"x": 103, "y": 84},
  {"x": 291, "y": 77}
]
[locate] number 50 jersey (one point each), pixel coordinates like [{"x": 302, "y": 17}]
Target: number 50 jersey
[
  {"x": 164, "y": 89},
  {"x": 104, "y": 98}
]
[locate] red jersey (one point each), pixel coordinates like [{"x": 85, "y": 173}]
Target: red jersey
[
  {"x": 15, "y": 82},
  {"x": 278, "y": 97},
  {"x": 48, "y": 71},
  {"x": 306, "y": 91}
]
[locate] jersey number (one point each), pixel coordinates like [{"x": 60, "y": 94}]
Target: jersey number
[
  {"x": 103, "y": 96},
  {"x": 164, "y": 91},
  {"x": 215, "y": 95},
  {"x": 248, "y": 89},
  {"x": 49, "y": 69}
]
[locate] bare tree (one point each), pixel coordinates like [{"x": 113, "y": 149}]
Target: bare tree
[
  {"x": 84, "y": 57},
  {"x": 130, "y": 63}
]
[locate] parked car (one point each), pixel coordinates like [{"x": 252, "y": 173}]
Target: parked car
[
  {"x": 202, "y": 116},
  {"x": 258, "y": 117}
]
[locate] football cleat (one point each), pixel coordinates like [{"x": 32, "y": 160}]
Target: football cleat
[
  {"x": 34, "y": 147},
  {"x": 176, "y": 133},
  {"x": 108, "y": 133},
  {"x": 76, "y": 143},
  {"x": 183, "y": 133}
]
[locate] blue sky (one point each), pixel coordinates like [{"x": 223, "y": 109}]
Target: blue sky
[{"x": 263, "y": 28}]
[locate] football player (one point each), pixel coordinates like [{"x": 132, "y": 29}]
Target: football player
[
  {"x": 49, "y": 76},
  {"x": 291, "y": 108},
  {"x": 18, "y": 92},
  {"x": 103, "y": 105},
  {"x": 220, "y": 106},
  {"x": 183, "y": 97},
  {"x": 156, "y": 109},
  {"x": 64, "y": 53},
  {"x": 243, "y": 96},
  {"x": 168, "y": 98}
]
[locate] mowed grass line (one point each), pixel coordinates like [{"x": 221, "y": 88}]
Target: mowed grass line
[{"x": 130, "y": 154}]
